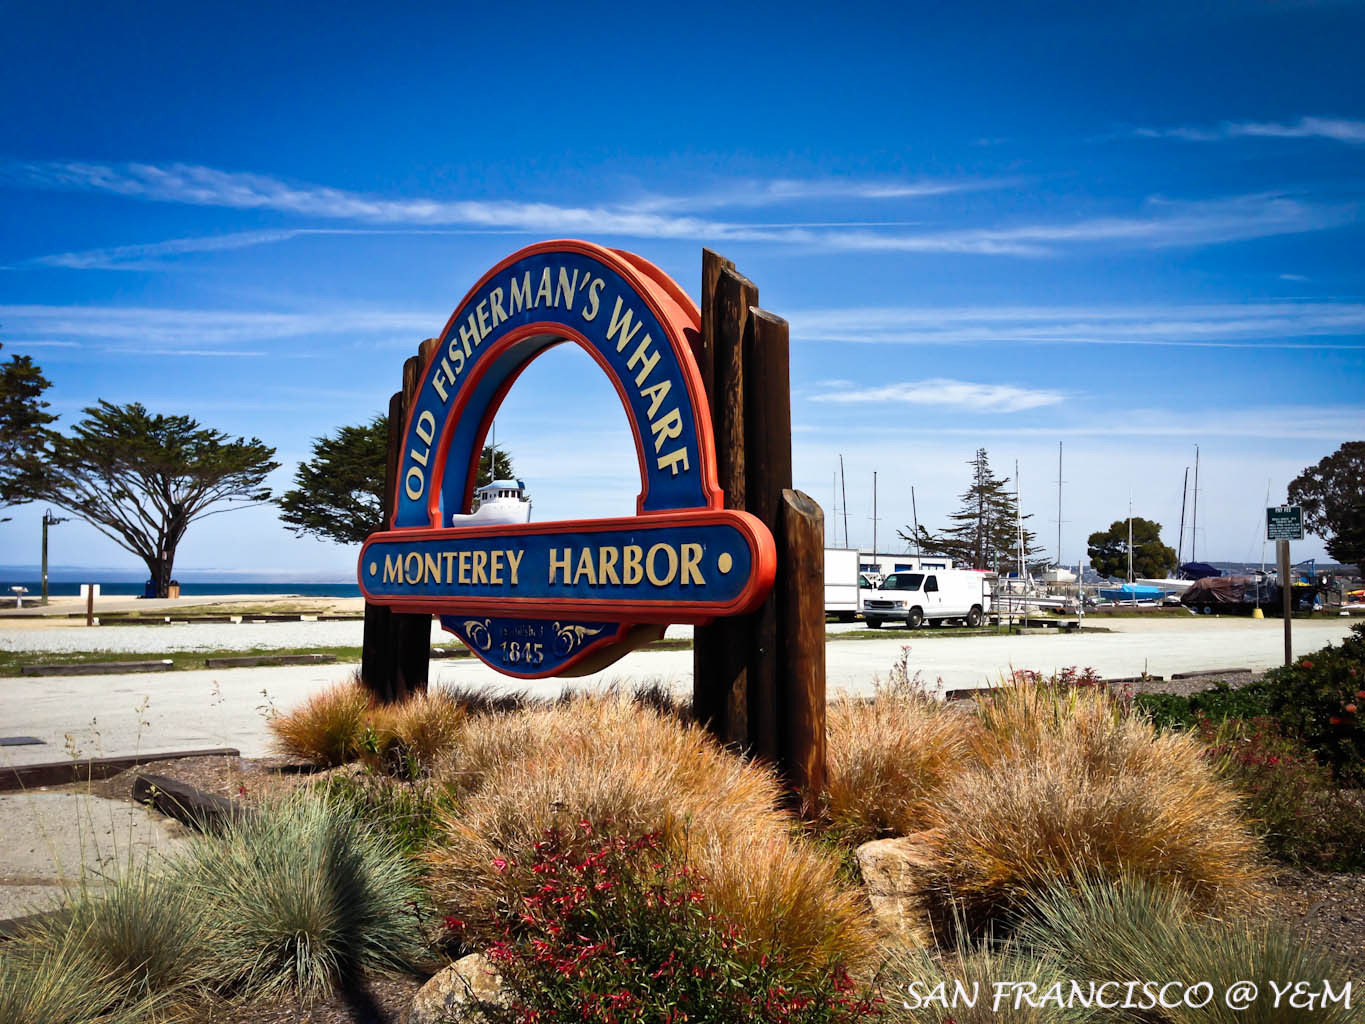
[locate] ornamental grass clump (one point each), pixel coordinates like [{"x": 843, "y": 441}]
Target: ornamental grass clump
[
  {"x": 888, "y": 757},
  {"x": 407, "y": 738},
  {"x": 137, "y": 930},
  {"x": 47, "y": 978},
  {"x": 298, "y": 896},
  {"x": 1129, "y": 929},
  {"x": 622, "y": 930},
  {"x": 1067, "y": 785},
  {"x": 610, "y": 763},
  {"x": 328, "y": 729}
]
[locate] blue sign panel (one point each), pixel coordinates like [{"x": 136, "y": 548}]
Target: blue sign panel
[{"x": 517, "y": 312}]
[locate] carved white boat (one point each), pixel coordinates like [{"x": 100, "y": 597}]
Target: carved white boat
[{"x": 502, "y": 501}]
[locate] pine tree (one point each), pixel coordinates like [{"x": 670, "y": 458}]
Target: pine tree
[
  {"x": 984, "y": 531},
  {"x": 23, "y": 428}
]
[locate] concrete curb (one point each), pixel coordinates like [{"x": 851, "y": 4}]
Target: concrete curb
[{"x": 59, "y": 773}]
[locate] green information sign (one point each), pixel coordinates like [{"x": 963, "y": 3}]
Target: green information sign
[{"x": 1284, "y": 522}]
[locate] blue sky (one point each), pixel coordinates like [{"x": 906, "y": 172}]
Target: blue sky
[{"x": 1131, "y": 230}]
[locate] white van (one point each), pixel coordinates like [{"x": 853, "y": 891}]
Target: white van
[{"x": 932, "y": 595}]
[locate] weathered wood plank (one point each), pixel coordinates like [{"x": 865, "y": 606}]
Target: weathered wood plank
[{"x": 800, "y": 592}]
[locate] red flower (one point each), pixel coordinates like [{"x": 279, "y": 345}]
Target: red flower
[
  {"x": 454, "y": 924},
  {"x": 1351, "y": 709},
  {"x": 1334, "y": 720},
  {"x": 500, "y": 863},
  {"x": 1306, "y": 663}
]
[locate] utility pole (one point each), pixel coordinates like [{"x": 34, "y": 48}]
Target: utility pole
[
  {"x": 48, "y": 520},
  {"x": 914, "y": 514},
  {"x": 1194, "y": 526}
]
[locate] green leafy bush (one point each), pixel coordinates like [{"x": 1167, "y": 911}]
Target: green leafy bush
[
  {"x": 1303, "y": 818},
  {"x": 1320, "y": 701},
  {"x": 1177, "y": 711},
  {"x": 623, "y": 933}
]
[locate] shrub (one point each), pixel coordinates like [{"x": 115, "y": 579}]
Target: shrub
[
  {"x": 888, "y": 757},
  {"x": 1128, "y": 929},
  {"x": 328, "y": 729},
  {"x": 1068, "y": 785},
  {"x": 1176, "y": 711},
  {"x": 300, "y": 894},
  {"x": 623, "y": 932},
  {"x": 1320, "y": 701},
  {"x": 622, "y": 766},
  {"x": 1303, "y": 819}
]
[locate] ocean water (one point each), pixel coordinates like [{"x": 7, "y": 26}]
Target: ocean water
[{"x": 63, "y": 588}]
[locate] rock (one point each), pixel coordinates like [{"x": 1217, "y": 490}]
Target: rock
[
  {"x": 447, "y": 996},
  {"x": 894, "y": 872}
]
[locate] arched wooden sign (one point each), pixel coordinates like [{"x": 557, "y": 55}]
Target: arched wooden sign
[{"x": 566, "y": 598}]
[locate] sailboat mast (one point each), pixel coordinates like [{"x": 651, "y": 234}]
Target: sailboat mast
[
  {"x": 1194, "y": 525},
  {"x": 874, "y": 513},
  {"x": 843, "y": 484},
  {"x": 1018, "y": 523},
  {"x": 1130, "y": 539},
  {"x": 1059, "y": 504},
  {"x": 914, "y": 513},
  {"x": 1180, "y": 544}
]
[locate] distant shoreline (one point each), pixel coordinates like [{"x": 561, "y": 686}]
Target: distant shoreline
[{"x": 126, "y": 588}]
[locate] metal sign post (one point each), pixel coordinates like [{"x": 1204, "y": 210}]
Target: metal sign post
[{"x": 1284, "y": 523}]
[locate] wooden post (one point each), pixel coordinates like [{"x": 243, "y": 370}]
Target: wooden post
[
  {"x": 409, "y": 635},
  {"x": 768, "y": 472},
  {"x": 800, "y": 591},
  {"x": 1286, "y": 598},
  {"x": 90, "y": 604},
  {"x": 720, "y": 693}
]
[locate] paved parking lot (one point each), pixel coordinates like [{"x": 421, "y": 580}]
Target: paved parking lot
[{"x": 228, "y": 707}]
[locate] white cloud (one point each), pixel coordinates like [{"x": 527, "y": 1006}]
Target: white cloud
[
  {"x": 1336, "y": 129},
  {"x": 939, "y": 391},
  {"x": 1161, "y": 223},
  {"x": 1225, "y": 325},
  {"x": 140, "y": 327}
]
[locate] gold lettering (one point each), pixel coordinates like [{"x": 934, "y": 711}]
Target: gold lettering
[
  {"x": 589, "y": 311},
  {"x": 672, "y": 459},
  {"x": 393, "y": 569},
  {"x": 469, "y": 334},
  {"x": 495, "y": 570},
  {"x": 480, "y": 565},
  {"x": 558, "y": 562},
  {"x": 691, "y": 558},
  {"x": 495, "y": 302},
  {"x": 456, "y": 356},
  {"x": 463, "y": 562},
  {"x": 656, "y": 393},
  {"x": 439, "y": 378},
  {"x": 449, "y": 558},
  {"x": 606, "y": 566},
  {"x": 564, "y": 296},
  {"x": 425, "y": 427},
  {"x": 484, "y": 327},
  {"x": 519, "y": 298},
  {"x": 514, "y": 563},
  {"x": 585, "y": 568},
  {"x": 414, "y": 492},
  {"x": 622, "y": 324},
  {"x": 638, "y": 356},
  {"x": 650, "y": 570},
  {"x": 413, "y": 575},
  {"x": 668, "y": 427},
  {"x": 631, "y": 570},
  {"x": 432, "y": 564},
  {"x": 546, "y": 290}
]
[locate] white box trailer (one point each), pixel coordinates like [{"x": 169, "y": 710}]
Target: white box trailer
[
  {"x": 931, "y": 595},
  {"x": 843, "y": 583}
]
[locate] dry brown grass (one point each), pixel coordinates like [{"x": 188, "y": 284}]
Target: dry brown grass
[
  {"x": 888, "y": 758},
  {"x": 1068, "y": 786},
  {"x": 328, "y": 728},
  {"x": 629, "y": 770},
  {"x": 410, "y": 737}
]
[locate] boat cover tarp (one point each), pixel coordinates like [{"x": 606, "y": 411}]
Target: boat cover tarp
[
  {"x": 1198, "y": 571},
  {"x": 1227, "y": 590}
]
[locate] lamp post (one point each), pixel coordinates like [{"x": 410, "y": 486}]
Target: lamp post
[{"x": 48, "y": 520}]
